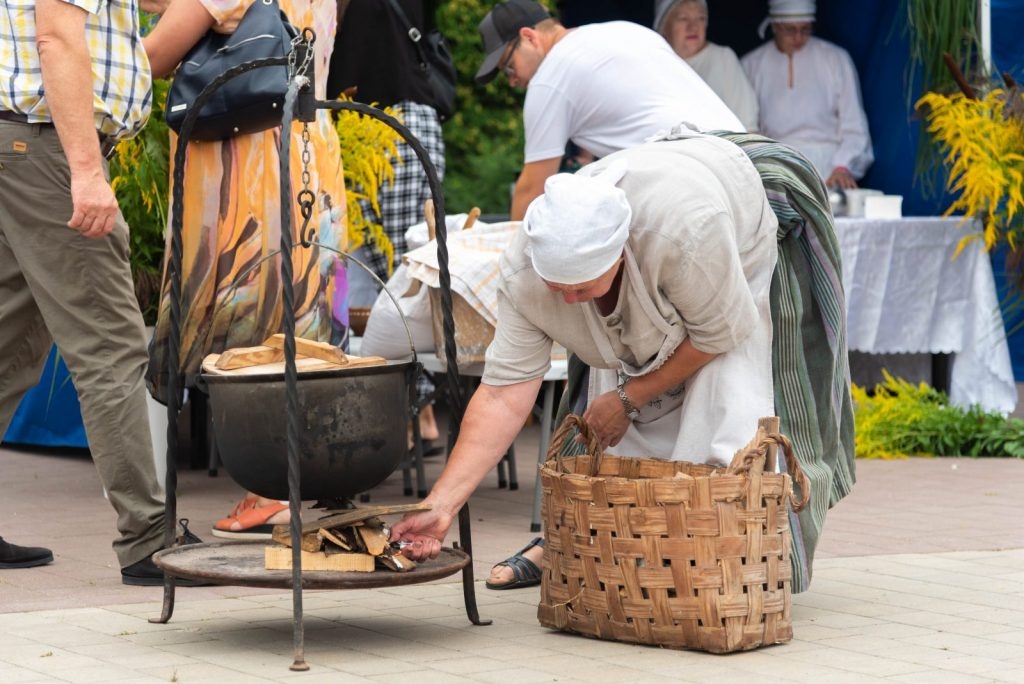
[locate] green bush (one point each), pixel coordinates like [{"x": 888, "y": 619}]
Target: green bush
[{"x": 901, "y": 419}]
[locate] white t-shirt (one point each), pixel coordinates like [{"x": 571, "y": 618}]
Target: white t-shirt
[
  {"x": 821, "y": 114},
  {"x": 720, "y": 68},
  {"x": 610, "y": 86}
]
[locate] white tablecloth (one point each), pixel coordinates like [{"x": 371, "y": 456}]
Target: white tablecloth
[{"x": 905, "y": 292}]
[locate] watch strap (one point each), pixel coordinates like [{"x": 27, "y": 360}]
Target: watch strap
[{"x": 628, "y": 407}]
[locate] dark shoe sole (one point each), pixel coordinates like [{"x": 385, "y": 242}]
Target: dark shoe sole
[{"x": 31, "y": 563}]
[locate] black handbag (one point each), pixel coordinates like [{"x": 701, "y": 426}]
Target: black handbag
[
  {"x": 250, "y": 102},
  {"x": 435, "y": 58}
]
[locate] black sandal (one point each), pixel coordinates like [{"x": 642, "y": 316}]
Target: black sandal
[{"x": 525, "y": 572}]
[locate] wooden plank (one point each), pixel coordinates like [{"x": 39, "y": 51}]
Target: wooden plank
[
  {"x": 334, "y": 539},
  {"x": 302, "y": 365},
  {"x": 358, "y": 514},
  {"x": 241, "y": 357},
  {"x": 316, "y": 350},
  {"x": 374, "y": 539},
  {"x": 280, "y": 558}
]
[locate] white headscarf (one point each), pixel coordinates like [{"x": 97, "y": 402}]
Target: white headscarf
[
  {"x": 786, "y": 11},
  {"x": 663, "y": 7},
  {"x": 579, "y": 226}
]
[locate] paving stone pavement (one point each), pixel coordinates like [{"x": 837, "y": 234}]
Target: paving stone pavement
[{"x": 919, "y": 578}]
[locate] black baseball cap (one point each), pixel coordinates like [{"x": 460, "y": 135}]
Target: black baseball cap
[{"x": 500, "y": 26}]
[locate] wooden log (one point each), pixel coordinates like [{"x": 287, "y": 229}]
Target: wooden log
[
  {"x": 280, "y": 558},
  {"x": 311, "y": 541}
]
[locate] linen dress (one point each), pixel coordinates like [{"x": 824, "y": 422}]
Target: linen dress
[
  {"x": 699, "y": 262},
  {"x": 232, "y": 221}
]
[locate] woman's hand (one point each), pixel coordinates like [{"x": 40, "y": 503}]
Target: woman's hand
[
  {"x": 425, "y": 530},
  {"x": 607, "y": 419}
]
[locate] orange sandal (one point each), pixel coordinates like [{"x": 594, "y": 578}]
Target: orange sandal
[{"x": 248, "y": 520}]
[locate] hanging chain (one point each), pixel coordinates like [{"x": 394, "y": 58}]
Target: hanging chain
[
  {"x": 306, "y": 197},
  {"x": 304, "y": 38},
  {"x": 303, "y": 42}
]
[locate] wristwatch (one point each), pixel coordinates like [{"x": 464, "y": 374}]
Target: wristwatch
[{"x": 631, "y": 411}]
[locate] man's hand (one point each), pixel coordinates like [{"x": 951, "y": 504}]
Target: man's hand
[
  {"x": 94, "y": 206},
  {"x": 840, "y": 178},
  {"x": 607, "y": 419},
  {"x": 425, "y": 529}
]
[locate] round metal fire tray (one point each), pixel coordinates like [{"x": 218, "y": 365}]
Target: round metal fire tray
[{"x": 242, "y": 564}]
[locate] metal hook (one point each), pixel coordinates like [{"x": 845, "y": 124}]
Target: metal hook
[{"x": 306, "y": 199}]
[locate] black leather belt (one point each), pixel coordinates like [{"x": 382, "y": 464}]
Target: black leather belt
[
  {"x": 7, "y": 115},
  {"x": 107, "y": 144}
]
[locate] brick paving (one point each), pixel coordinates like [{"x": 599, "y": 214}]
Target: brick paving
[{"x": 919, "y": 577}]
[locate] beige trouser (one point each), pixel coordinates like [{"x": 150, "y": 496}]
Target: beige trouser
[{"x": 57, "y": 286}]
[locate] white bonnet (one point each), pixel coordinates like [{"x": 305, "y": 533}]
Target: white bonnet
[
  {"x": 787, "y": 11},
  {"x": 663, "y": 7},
  {"x": 577, "y": 229}
]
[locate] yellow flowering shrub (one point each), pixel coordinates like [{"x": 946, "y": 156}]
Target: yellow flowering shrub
[
  {"x": 368, "y": 147},
  {"x": 900, "y": 419},
  {"x": 982, "y": 141}
]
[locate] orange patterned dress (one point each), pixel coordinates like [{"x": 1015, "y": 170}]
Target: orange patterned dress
[{"x": 231, "y": 223}]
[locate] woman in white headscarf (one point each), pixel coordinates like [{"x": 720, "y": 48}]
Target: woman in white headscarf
[
  {"x": 655, "y": 262},
  {"x": 684, "y": 24},
  {"x": 809, "y": 95}
]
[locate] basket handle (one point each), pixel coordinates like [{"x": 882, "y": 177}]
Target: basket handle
[
  {"x": 583, "y": 436},
  {"x": 762, "y": 451}
]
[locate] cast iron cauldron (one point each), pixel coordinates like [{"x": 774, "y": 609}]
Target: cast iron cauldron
[{"x": 352, "y": 428}]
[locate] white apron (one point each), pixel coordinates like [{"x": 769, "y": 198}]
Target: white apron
[{"x": 716, "y": 412}]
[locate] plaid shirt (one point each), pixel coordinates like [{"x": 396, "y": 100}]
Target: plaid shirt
[{"x": 121, "y": 76}]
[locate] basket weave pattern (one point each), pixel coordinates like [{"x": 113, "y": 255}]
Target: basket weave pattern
[{"x": 676, "y": 554}]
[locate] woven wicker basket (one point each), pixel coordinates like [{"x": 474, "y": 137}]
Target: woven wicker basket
[{"x": 669, "y": 553}]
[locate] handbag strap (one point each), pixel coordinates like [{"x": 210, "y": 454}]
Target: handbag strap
[{"x": 415, "y": 35}]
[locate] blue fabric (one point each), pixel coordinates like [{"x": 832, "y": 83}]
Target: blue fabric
[
  {"x": 49, "y": 414},
  {"x": 1007, "y": 27}
]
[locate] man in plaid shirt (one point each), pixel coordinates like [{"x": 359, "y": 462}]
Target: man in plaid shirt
[{"x": 75, "y": 79}]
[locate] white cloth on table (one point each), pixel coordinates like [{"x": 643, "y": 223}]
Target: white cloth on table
[{"x": 905, "y": 292}]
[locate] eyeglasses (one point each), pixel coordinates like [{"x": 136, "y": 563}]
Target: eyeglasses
[
  {"x": 793, "y": 29},
  {"x": 505, "y": 63}
]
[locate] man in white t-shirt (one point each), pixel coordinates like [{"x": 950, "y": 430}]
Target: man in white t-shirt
[{"x": 605, "y": 87}]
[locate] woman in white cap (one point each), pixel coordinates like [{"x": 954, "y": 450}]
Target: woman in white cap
[
  {"x": 809, "y": 96},
  {"x": 656, "y": 262},
  {"x": 684, "y": 24}
]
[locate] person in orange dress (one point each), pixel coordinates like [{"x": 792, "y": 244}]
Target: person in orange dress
[{"x": 231, "y": 220}]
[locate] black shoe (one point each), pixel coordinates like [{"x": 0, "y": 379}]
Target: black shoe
[
  {"x": 145, "y": 573},
  {"x": 13, "y": 556}
]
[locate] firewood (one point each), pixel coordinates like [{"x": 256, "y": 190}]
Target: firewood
[
  {"x": 310, "y": 541},
  {"x": 280, "y": 558}
]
